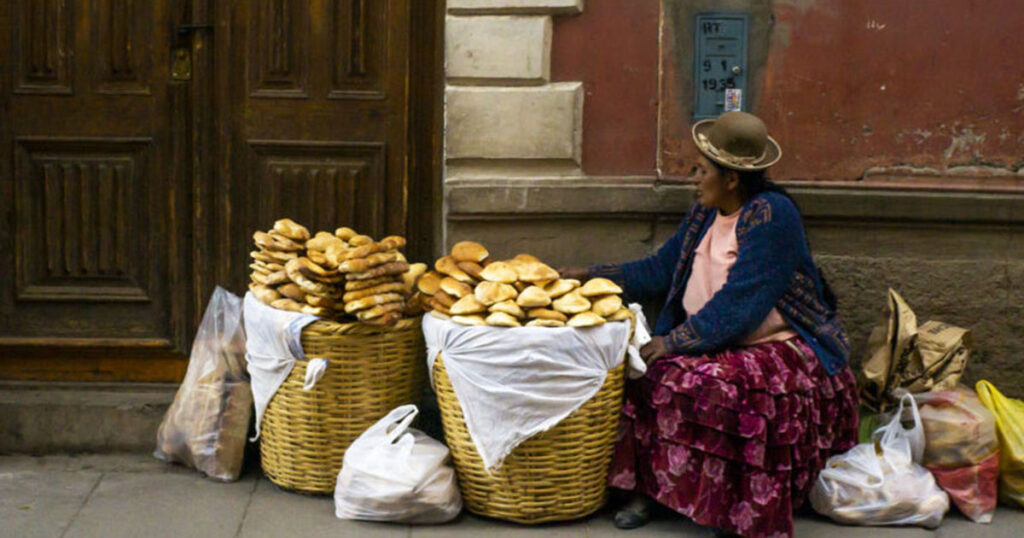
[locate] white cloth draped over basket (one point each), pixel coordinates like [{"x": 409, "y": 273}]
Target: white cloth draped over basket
[
  {"x": 273, "y": 344},
  {"x": 513, "y": 383}
]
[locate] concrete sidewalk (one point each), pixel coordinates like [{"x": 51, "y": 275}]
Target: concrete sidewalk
[{"x": 130, "y": 495}]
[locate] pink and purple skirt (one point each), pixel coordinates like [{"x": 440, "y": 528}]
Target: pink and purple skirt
[{"x": 735, "y": 440}]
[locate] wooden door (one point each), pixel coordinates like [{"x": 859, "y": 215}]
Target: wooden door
[
  {"x": 93, "y": 258},
  {"x": 313, "y": 118},
  {"x": 127, "y": 193}
]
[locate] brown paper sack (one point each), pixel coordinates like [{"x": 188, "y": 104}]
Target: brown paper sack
[{"x": 930, "y": 357}]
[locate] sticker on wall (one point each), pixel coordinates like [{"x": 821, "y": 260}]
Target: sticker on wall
[{"x": 733, "y": 99}]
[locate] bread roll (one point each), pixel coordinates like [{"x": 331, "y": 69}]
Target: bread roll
[
  {"x": 275, "y": 278},
  {"x": 379, "y": 310},
  {"x": 264, "y": 294},
  {"x": 509, "y": 307},
  {"x": 287, "y": 304},
  {"x": 261, "y": 269},
  {"x": 371, "y": 301},
  {"x": 502, "y": 272},
  {"x": 410, "y": 277},
  {"x": 322, "y": 240},
  {"x": 619, "y": 315},
  {"x": 545, "y": 313},
  {"x": 533, "y": 297},
  {"x": 359, "y": 265},
  {"x": 472, "y": 269},
  {"x": 393, "y": 242},
  {"x": 359, "y": 240},
  {"x": 455, "y": 288},
  {"x": 445, "y": 299},
  {"x": 389, "y": 318},
  {"x": 274, "y": 243},
  {"x": 317, "y": 300},
  {"x": 469, "y": 251},
  {"x": 292, "y": 291},
  {"x": 345, "y": 233},
  {"x": 429, "y": 283},
  {"x": 490, "y": 293},
  {"x": 393, "y": 268},
  {"x": 536, "y": 272},
  {"x": 606, "y": 305},
  {"x": 320, "y": 259},
  {"x": 501, "y": 319},
  {"x": 560, "y": 287},
  {"x": 390, "y": 287},
  {"x": 468, "y": 305},
  {"x": 436, "y": 306},
  {"x": 318, "y": 311},
  {"x": 571, "y": 303},
  {"x": 474, "y": 320},
  {"x": 586, "y": 319},
  {"x": 526, "y": 258},
  {"x": 355, "y": 285},
  {"x": 364, "y": 251},
  {"x": 540, "y": 322},
  {"x": 291, "y": 230},
  {"x": 440, "y": 315},
  {"x": 599, "y": 286},
  {"x": 447, "y": 266}
]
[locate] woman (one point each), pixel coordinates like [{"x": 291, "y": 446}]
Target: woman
[{"x": 747, "y": 391}]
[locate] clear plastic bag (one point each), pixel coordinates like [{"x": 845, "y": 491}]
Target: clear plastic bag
[
  {"x": 396, "y": 473},
  {"x": 207, "y": 424},
  {"x": 961, "y": 450},
  {"x": 1009, "y": 415},
  {"x": 879, "y": 483}
]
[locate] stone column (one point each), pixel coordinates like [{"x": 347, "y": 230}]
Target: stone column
[{"x": 504, "y": 118}]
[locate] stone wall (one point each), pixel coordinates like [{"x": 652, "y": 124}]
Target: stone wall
[{"x": 523, "y": 176}]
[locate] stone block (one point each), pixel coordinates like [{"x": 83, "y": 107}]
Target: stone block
[
  {"x": 542, "y": 122},
  {"x": 503, "y": 47},
  {"x": 42, "y": 418},
  {"x": 515, "y": 6}
]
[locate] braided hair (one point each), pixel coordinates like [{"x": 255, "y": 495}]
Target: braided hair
[{"x": 754, "y": 182}]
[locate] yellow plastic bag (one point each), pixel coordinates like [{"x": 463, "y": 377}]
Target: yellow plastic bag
[{"x": 1009, "y": 415}]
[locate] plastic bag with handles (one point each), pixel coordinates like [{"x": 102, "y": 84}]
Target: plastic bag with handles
[
  {"x": 881, "y": 483},
  {"x": 396, "y": 473},
  {"x": 1009, "y": 415}
]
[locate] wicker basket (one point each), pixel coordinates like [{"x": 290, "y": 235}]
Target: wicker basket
[
  {"x": 554, "y": 476},
  {"x": 372, "y": 370}
]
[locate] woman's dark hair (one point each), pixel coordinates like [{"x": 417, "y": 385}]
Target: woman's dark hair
[{"x": 754, "y": 182}]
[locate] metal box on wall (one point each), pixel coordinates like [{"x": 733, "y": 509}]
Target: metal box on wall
[{"x": 720, "y": 63}]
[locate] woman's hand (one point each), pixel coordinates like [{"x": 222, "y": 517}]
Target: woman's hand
[
  {"x": 654, "y": 350},
  {"x": 578, "y": 273}
]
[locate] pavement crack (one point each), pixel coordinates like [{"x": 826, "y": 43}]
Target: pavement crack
[
  {"x": 81, "y": 506},
  {"x": 245, "y": 512}
]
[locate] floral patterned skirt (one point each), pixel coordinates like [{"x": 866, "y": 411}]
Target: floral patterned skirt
[{"x": 735, "y": 440}]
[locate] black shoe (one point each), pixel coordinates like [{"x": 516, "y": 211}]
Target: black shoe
[{"x": 634, "y": 515}]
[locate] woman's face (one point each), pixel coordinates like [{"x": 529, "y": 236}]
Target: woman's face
[{"x": 714, "y": 189}]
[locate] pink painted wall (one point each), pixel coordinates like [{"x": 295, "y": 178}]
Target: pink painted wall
[{"x": 847, "y": 86}]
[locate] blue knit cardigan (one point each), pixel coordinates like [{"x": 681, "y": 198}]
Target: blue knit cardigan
[{"x": 773, "y": 268}]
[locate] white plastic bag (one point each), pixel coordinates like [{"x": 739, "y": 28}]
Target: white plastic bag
[
  {"x": 396, "y": 473},
  {"x": 206, "y": 425},
  {"x": 880, "y": 483}
]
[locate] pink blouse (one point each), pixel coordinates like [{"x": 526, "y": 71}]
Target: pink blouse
[{"x": 712, "y": 259}]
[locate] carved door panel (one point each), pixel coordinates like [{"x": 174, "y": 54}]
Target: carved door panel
[
  {"x": 315, "y": 118},
  {"x": 91, "y": 250}
]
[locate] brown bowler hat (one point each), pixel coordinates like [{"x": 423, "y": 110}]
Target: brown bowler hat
[{"x": 737, "y": 140}]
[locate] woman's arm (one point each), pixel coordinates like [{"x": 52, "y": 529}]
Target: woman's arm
[
  {"x": 649, "y": 278},
  {"x": 770, "y": 237}
]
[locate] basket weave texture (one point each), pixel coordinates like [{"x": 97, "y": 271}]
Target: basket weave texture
[
  {"x": 556, "y": 475},
  {"x": 371, "y": 370}
]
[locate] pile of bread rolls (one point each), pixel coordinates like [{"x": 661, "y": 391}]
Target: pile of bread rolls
[
  {"x": 333, "y": 275},
  {"x": 471, "y": 289}
]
